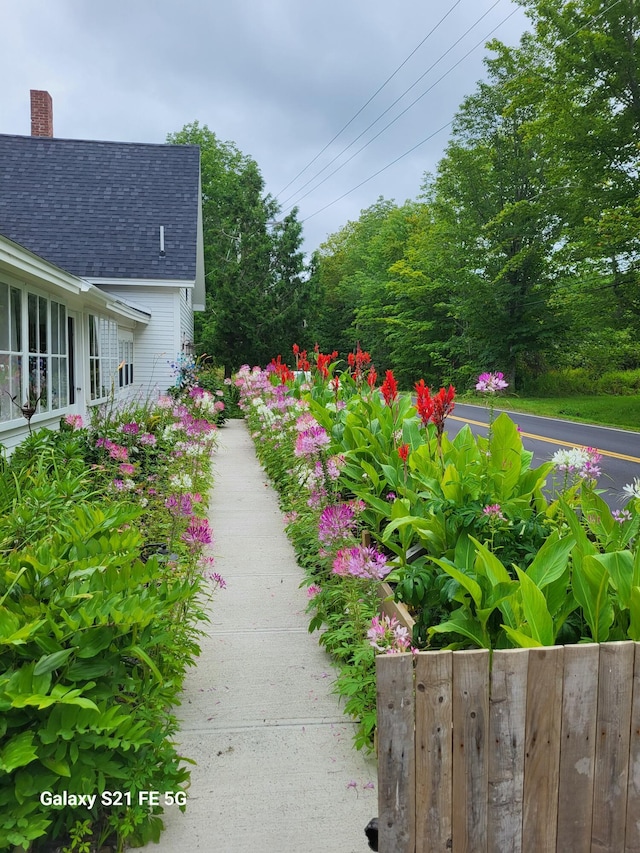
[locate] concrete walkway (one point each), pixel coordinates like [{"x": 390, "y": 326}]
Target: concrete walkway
[{"x": 275, "y": 762}]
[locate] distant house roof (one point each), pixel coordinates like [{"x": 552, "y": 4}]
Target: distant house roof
[{"x": 96, "y": 208}]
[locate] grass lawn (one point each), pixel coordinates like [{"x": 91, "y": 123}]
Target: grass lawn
[{"x": 609, "y": 410}]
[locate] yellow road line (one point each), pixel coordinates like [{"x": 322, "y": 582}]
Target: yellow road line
[{"x": 533, "y": 435}]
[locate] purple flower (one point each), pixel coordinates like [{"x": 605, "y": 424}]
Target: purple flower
[
  {"x": 311, "y": 441},
  {"x": 621, "y": 515},
  {"x": 387, "y": 635},
  {"x": 117, "y": 452},
  {"x": 313, "y": 590},
  {"x": 489, "y": 383},
  {"x": 147, "y": 438},
  {"x": 361, "y": 562},
  {"x": 181, "y": 504},
  {"x": 197, "y": 533},
  {"x": 337, "y": 522},
  {"x": 74, "y": 421},
  {"x": 494, "y": 511},
  {"x": 130, "y": 428}
]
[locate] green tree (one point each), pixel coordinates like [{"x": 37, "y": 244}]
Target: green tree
[
  {"x": 489, "y": 201},
  {"x": 588, "y": 121},
  {"x": 257, "y": 292}
]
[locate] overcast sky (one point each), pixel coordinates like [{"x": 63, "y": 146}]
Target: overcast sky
[{"x": 279, "y": 78}]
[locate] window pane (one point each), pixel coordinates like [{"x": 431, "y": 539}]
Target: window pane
[
  {"x": 94, "y": 379},
  {"x": 54, "y": 327},
  {"x": 4, "y": 317},
  {"x": 63, "y": 384},
  {"x": 34, "y": 378},
  {"x": 5, "y": 388},
  {"x": 16, "y": 320},
  {"x": 43, "y": 364},
  {"x": 42, "y": 320},
  {"x": 55, "y": 367},
  {"x": 16, "y": 376},
  {"x": 63, "y": 329},
  {"x": 58, "y": 383},
  {"x": 93, "y": 336},
  {"x": 33, "y": 322}
]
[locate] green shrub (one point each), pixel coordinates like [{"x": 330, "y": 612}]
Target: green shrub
[
  {"x": 97, "y": 631},
  {"x": 93, "y": 647}
]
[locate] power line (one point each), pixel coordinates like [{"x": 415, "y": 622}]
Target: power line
[
  {"x": 399, "y": 98},
  {"x": 379, "y": 172},
  {"x": 413, "y": 148},
  {"x": 366, "y": 104},
  {"x": 592, "y": 20}
]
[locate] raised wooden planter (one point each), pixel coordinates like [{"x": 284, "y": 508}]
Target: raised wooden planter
[
  {"x": 393, "y": 608},
  {"x": 525, "y": 750}
]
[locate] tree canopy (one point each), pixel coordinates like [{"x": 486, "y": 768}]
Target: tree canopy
[
  {"x": 258, "y": 295},
  {"x": 523, "y": 250}
]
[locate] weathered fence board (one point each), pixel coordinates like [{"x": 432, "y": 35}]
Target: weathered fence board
[
  {"x": 434, "y": 760},
  {"x": 470, "y": 751},
  {"x": 542, "y": 750},
  {"x": 632, "y": 840},
  {"x": 578, "y": 750},
  {"x": 396, "y": 753},
  {"x": 532, "y": 751},
  {"x": 506, "y": 750},
  {"x": 612, "y": 747}
]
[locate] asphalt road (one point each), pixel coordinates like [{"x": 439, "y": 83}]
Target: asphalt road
[{"x": 620, "y": 449}]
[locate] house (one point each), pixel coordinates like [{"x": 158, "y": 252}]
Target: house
[{"x": 101, "y": 269}]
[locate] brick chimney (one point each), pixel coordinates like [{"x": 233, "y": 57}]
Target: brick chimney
[{"x": 41, "y": 113}]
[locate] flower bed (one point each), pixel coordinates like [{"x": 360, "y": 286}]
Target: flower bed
[
  {"x": 103, "y": 578},
  {"x": 512, "y": 555}
]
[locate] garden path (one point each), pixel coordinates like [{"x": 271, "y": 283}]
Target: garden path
[{"x": 275, "y": 767}]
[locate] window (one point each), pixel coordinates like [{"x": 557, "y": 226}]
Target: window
[
  {"x": 125, "y": 365},
  {"x": 38, "y": 325},
  {"x": 11, "y": 360},
  {"x": 103, "y": 356},
  {"x": 48, "y": 372}
]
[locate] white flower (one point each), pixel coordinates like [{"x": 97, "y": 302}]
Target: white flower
[
  {"x": 632, "y": 490},
  {"x": 181, "y": 481}
]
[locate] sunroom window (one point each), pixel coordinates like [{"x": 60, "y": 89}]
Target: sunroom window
[
  {"x": 103, "y": 356},
  {"x": 11, "y": 360}
]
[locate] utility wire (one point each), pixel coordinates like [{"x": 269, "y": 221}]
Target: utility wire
[
  {"x": 399, "y": 98},
  {"x": 379, "y": 172},
  {"x": 591, "y": 20},
  {"x": 413, "y": 148},
  {"x": 366, "y": 104}
]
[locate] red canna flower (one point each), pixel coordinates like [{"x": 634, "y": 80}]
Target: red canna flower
[
  {"x": 357, "y": 361},
  {"x": 424, "y": 403},
  {"x": 403, "y": 452},
  {"x": 281, "y": 370},
  {"x": 372, "y": 377},
  {"x": 389, "y": 388},
  {"x": 442, "y": 406},
  {"x": 323, "y": 362}
]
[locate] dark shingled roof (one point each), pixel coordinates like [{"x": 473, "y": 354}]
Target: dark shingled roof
[{"x": 95, "y": 208}]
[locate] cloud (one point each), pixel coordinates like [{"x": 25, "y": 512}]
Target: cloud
[{"x": 278, "y": 78}]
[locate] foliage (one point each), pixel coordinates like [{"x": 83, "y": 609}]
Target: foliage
[
  {"x": 486, "y": 550},
  {"x": 102, "y": 584},
  {"x": 257, "y": 294},
  {"x": 522, "y": 250}
]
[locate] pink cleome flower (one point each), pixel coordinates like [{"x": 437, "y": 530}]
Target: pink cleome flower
[
  {"x": 361, "y": 562},
  {"x": 197, "y": 533},
  {"x": 489, "y": 383}
]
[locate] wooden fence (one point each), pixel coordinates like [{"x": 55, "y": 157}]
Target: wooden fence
[{"x": 526, "y": 750}]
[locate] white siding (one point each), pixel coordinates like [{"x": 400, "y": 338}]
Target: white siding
[
  {"x": 186, "y": 316},
  {"x": 158, "y": 344}
]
